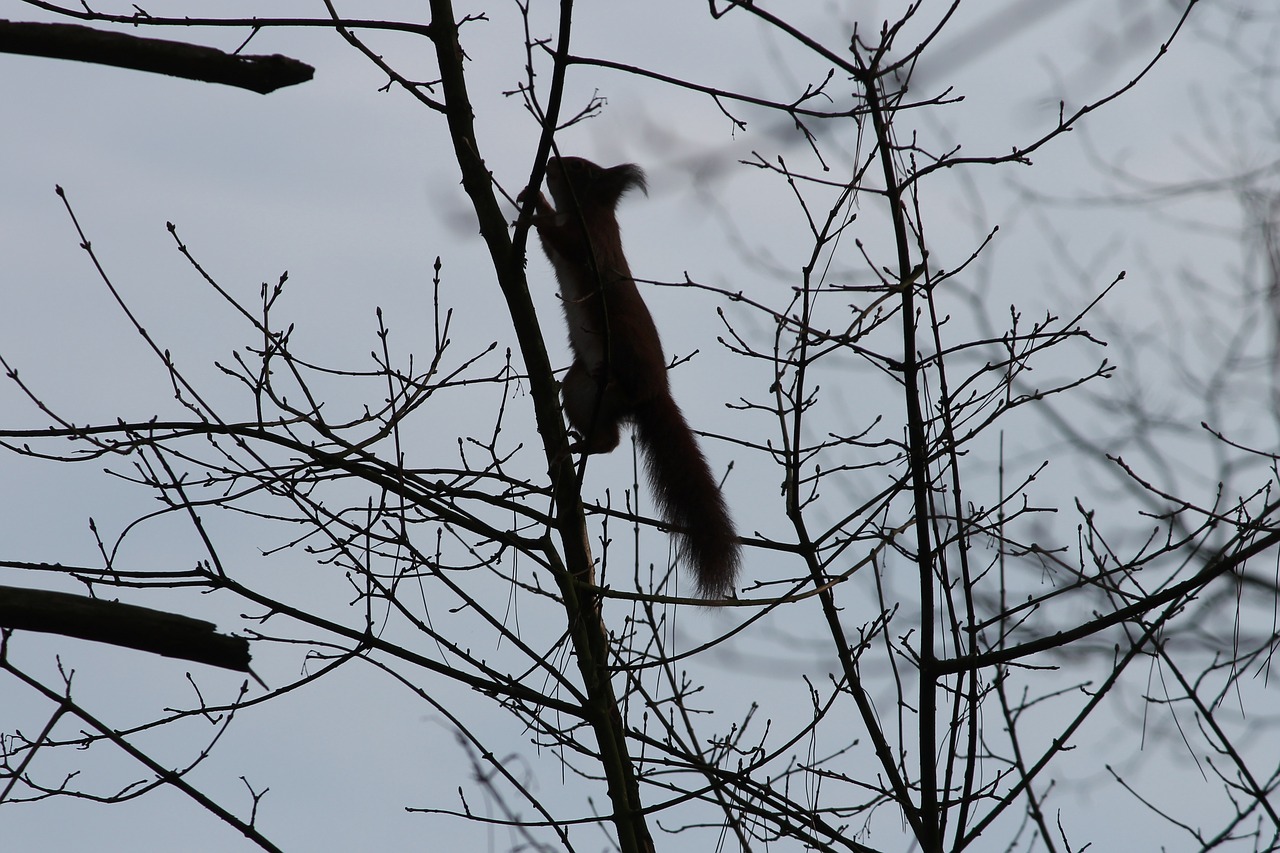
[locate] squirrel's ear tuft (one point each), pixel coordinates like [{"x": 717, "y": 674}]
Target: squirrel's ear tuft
[{"x": 629, "y": 176}]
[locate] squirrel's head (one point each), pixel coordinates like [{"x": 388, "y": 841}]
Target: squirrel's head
[{"x": 573, "y": 180}]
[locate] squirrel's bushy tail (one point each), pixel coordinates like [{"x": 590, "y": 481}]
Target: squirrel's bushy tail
[{"x": 687, "y": 494}]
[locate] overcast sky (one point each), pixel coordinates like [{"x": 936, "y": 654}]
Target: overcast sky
[{"x": 354, "y": 193}]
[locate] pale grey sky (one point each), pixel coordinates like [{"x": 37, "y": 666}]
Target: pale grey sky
[{"x": 354, "y": 192}]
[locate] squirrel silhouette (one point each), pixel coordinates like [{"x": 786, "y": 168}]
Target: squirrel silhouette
[{"x": 619, "y": 373}]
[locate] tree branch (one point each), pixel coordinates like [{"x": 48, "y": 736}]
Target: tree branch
[
  {"x": 261, "y": 74},
  {"x": 120, "y": 624}
]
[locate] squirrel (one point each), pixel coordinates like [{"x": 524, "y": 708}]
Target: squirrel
[{"x": 619, "y": 373}]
